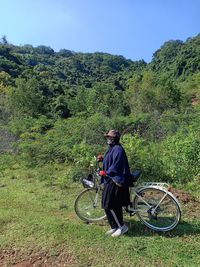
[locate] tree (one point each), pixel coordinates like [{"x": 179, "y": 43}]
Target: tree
[
  {"x": 26, "y": 99},
  {"x": 141, "y": 94},
  {"x": 5, "y": 78},
  {"x": 42, "y": 49},
  {"x": 78, "y": 102},
  {"x": 60, "y": 107},
  {"x": 105, "y": 99},
  {"x": 168, "y": 94},
  {"x": 4, "y": 40}
]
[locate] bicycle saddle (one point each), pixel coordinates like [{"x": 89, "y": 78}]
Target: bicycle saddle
[{"x": 134, "y": 176}]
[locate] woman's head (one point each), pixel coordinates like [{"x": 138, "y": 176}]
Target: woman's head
[{"x": 113, "y": 137}]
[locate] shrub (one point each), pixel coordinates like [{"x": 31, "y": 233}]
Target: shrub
[
  {"x": 144, "y": 156},
  {"x": 180, "y": 155}
]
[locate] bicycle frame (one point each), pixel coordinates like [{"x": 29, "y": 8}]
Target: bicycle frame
[
  {"x": 134, "y": 190},
  {"x": 152, "y": 202},
  {"x": 154, "y": 205}
]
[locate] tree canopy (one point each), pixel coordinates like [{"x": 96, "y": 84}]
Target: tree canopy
[{"x": 60, "y": 103}]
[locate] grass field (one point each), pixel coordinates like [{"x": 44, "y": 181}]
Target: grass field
[{"x": 38, "y": 227}]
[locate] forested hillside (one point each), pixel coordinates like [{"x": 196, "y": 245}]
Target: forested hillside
[{"x": 56, "y": 106}]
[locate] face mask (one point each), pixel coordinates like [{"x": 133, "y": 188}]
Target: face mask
[{"x": 110, "y": 141}]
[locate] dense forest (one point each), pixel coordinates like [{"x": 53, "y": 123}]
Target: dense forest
[{"x": 56, "y": 106}]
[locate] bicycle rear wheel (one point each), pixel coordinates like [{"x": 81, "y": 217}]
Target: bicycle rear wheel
[
  {"x": 88, "y": 205},
  {"x": 157, "y": 209}
]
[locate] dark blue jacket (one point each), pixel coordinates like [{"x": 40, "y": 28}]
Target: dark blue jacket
[{"x": 116, "y": 165}]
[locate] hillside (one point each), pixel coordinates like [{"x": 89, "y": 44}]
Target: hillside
[
  {"x": 66, "y": 67},
  {"x": 56, "y": 106},
  {"x": 178, "y": 59}
]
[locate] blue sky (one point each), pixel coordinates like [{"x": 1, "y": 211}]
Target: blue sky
[{"x": 132, "y": 28}]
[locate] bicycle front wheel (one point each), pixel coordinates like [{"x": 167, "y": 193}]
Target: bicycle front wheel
[
  {"x": 157, "y": 209},
  {"x": 88, "y": 205}
]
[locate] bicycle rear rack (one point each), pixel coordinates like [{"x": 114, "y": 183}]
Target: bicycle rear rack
[{"x": 164, "y": 186}]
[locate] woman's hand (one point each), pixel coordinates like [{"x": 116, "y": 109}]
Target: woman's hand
[
  {"x": 99, "y": 158},
  {"x": 103, "y": 173}
]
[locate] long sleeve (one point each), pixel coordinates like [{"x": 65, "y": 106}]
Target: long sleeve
[
  {"x": 116, "y": 167},
  {"x": 116, "y": 164}
]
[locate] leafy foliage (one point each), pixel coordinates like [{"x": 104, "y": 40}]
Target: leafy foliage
[{"x": 60, "y": 104}]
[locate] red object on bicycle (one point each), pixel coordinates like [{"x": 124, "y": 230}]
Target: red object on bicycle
[{"x": 102, "y": 173}]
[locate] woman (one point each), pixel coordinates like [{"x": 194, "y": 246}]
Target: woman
[{"x": 116, "y": 175}]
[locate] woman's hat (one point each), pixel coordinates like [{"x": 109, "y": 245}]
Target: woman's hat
[{"x": 113, "y": 133}]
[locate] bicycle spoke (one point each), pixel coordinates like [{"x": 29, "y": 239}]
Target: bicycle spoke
[
  {"x": 161, "y": 213},
  {"x": 88, "y": 205}
]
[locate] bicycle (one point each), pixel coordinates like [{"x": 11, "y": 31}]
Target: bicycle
[{"x": 153, "y": 203}]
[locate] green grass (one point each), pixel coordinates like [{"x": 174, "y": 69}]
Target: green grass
[{"x": 37, "y": 214}]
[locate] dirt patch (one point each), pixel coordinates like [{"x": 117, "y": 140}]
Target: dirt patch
[
  {"x": 183, "y": 196},
  {"x": 37, "y": 258},
  {"x": 190, "y": 204}
]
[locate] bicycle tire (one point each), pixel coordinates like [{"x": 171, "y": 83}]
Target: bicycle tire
[
  {"x": 87, "y": 208},
  {"x": 165, "y": 217}
]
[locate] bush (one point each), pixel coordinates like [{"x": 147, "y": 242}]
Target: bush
[
  {"x": 180, "y": 155},
  {"x": 144, "y": 156},
  {"x": 75, "y": 141},
  {"x": 71, "y": 140}
]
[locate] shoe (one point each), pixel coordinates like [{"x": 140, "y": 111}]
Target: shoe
[
  {"x": 111, "y": 231},
  {"x": 120, "y": 231}
]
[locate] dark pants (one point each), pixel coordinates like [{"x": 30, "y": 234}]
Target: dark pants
[
  {"x": 115, "y": 217},
  {"x": 113, "y": 199}
]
